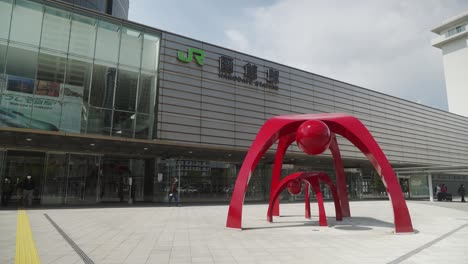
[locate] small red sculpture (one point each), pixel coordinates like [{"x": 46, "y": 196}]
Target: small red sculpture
[
  {"x": 313, "y": 139},
  {"x": 311, "y": 178},
  {"x": 294, "y": 186}
]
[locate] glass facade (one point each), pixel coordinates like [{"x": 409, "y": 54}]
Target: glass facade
[
  {"x": 70, "y": 178},
  {"x": 66, "y": 71},
  {"x": 117, "y": 8}
]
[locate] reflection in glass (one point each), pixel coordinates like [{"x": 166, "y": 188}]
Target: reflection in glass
[
  {"x": 26, "y": 22},
  {"x": 5, "y": 15},
  {"x": 15, "y": 111},
  {"x": 130, "y": 47},
  {"x": 22, "y": 61},
  {"x": 51, "y": 68},
  {"x": 82, "y": 36},
  {"x": 103, "y": 85},
  {"x": 77, "y": 80},
  {"x": 55, "y": 29},
  {"x": 73, "y": 118},
  {"x": 125, "y": 94},
  {"x": 147, "y": 93},
  {"x": 107, "y": 44},
  {"x": 144, "y": 126},
  {"x": 150, "y": 52},
  {"x": 122, "y": 125},
  {"x": 3, "y": 81},
  {"x": 99, "y": 121},
  {"x": 82, "y": 180},
  {"x": 55, "y": 180}
]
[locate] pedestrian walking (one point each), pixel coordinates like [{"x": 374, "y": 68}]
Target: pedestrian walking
[
  {"x": 28, "y": 190},
  {"x": 7, "y": 189},
  {"x": 461, "y": 192},
  {"x": 173, "y": 193}
]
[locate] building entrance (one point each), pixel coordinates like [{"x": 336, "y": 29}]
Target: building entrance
[
  {"x": 19, "y": 164},
  {"x": 122, "y": 179},
  {"x": 83, "y": 177},
  {"x": 69, "y": 178}
]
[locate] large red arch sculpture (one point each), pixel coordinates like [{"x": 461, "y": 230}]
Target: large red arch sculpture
[
  {"x": 311, "y": 178},
  {"x": 283, "y": 128}
]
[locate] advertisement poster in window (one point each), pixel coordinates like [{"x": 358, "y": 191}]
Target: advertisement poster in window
[
  {"x": 46, "y": 110},
  {"x": 73, "y": 94},
  {"x": 16, "y": 111},
  {"x": 20, "y": 84},
  {"x": 72, "y": 108},
  {"x": 47, "y": 88}
]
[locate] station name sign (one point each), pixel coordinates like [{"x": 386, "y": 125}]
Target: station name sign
[{"x": 226, "y": 69}]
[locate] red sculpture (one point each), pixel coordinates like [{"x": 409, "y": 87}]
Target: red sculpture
[
  {"x": 286, "y": 129},
  {"x": 311, "y": 178}
]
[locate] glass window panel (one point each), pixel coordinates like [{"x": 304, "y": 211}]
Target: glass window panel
[
  {"x": 73, "y": 118},
  {"x": 3, "y": 81},
  {"x": 130, "y": 47},
  {"x": 26, "y": 22},
  {"x": 5, "y": 16},
  {"x": 144, "y": 126},
  {"x": 22, "y": 61},
  {"x": 103, "y": 85},
  {"x": 46, "y": 114},
  {"x": 55, "y": 29},
  {"x": 51, "y": 67},
  {"x": 20, "y": 84},
  {"x": 99, "y": 121},
  {"x": 107, "y": 44},
  {"x": 125, "y": 95},
  {"x": 83, "y": 34},
  {"x": 54, "y": 189},
  {"x": 3, "y": 50},
  {"x": 150, "y": 52},
  {"x": 15, "y": 111},
  {"x": 122, "y": 125},
  {"x": 77, "y": 80},
  {"x": 147, "y": 93}
]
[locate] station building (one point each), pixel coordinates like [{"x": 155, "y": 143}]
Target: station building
[{"x": 89, "y": 101}]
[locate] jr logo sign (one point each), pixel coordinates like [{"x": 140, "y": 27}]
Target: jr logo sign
[{"x": 199, "y": 56}]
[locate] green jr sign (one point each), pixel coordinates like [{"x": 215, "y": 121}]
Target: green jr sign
[{"x": 192, "y": 52}]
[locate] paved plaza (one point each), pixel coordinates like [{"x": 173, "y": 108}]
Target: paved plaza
[{"x": 197, "y": 234}]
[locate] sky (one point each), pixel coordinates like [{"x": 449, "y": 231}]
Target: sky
[{"x": 382, "y": 45}]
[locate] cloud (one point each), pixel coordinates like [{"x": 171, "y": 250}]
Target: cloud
[
  {"x": 241, "y": 42},
  {"x": 380, "y": 45}
]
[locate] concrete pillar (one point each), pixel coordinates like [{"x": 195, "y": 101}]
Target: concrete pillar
[{"x": 431, "y": 190}]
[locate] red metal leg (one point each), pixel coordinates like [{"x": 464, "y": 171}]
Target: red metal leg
[
  {"x": 283, "y": 144},
  {"x": 307, "y": 200},
  {"x": 318, "y": 194},
  {"x": 326, "y": 179},
  {"x": 340, "y": 177}
]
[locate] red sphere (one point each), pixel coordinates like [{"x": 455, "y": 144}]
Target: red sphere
[
  {"x": 313, "y": 137},
  {"x": 294, "y": 187}
]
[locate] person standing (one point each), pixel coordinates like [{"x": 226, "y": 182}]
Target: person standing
[
  {"x": 7, "y": 189},
  {"x": 28, "y": 190},
  {"x": 461, "y": 192},
  {"x": 173, "y": 191}
]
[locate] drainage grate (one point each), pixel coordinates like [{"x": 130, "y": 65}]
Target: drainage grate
[{"x": 77, "y": 249}]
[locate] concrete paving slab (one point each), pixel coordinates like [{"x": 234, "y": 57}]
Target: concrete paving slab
[{"x": 197, "y": 234}]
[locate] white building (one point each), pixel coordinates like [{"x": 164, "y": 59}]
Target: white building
[{"x": 453, "y": 41}]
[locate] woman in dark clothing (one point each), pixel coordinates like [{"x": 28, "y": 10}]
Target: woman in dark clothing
[{"x": 7, "y": 189}]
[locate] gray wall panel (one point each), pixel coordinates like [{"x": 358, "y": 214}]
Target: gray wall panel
[{"x": 227, "y": 112}]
